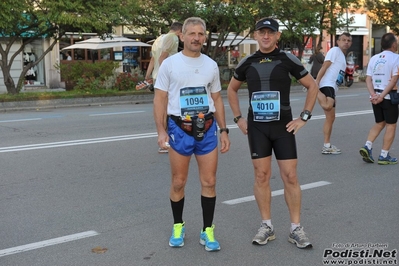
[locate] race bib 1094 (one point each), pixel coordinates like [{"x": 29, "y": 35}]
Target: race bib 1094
[{"x": 193, "y": 100}]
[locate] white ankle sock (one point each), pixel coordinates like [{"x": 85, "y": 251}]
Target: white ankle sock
[
  {"x": 294, "y": 226},
  {"x": 369, "y": 144},
  {"x": 268, "y": 222}
]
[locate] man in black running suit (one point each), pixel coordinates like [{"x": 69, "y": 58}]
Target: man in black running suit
[{"x": 270, "y": 125}]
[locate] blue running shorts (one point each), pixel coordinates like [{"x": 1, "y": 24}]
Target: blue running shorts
[{"x": 186, "y": 145}]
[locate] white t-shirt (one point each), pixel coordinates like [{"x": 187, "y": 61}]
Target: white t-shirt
[
  {"x": 165, "y": 43},
  {"x": 382, "y": 67},
  {"x": 189, "y": 82},
  {"x": 335, "y": 74}
]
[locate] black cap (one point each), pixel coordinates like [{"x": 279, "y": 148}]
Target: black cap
[{"x": 267, "y": 23}]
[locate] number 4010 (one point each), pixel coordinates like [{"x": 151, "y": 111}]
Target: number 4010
[{"x": 265, "y": 106}]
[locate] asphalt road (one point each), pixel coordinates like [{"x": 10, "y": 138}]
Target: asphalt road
[{"x": 83, "y": 179}]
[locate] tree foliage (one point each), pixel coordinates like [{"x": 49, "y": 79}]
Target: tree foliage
[
  {"x": 222, "y": 17},
  {"x": 384, "y": 13},
  {"x": 23, "y": 21},
  {"x": 299, "y": 21}
]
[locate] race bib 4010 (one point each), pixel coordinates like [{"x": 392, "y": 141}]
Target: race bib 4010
[{"x": 266, "y": 106}]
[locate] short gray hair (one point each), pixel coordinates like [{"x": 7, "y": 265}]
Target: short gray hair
[{"x": 194, "y": 21}]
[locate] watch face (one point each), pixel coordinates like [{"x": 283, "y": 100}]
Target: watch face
[{"x": 305, "y": 115}]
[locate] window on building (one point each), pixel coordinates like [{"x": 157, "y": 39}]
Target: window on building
[{"x": 35, "y": 75}]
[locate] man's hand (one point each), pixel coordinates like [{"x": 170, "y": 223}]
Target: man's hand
[
  {"x": 243, "y": 125},
  {"x": 295, "y": 125},
  {"x": 376, "y": 99},
  {"x": 163, "y": 140},
  {"x": 224, "y": 142}
]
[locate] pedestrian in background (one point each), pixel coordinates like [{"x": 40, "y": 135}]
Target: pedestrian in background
[
  {"x": 329, "y": 78},
  {"x": 382, "y": 77},
  {"x": 270, "y": 126},
  {"x": 316, "y": 60},
  {"x": 164, "y": 46},
  {"x": 187, "y": 87},
  {"x": 69, "y": 57}
]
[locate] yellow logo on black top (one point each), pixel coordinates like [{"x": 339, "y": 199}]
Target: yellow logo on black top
[{"x": 265, "y": 60}]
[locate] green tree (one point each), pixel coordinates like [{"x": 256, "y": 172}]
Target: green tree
[
  {"x": 156, "y": 16},
  {"x": 299, "y": 20},
  {"x": 23, "y": 21},
  {"x": 222, "y": 17},
  {"x": 384, "y": 12},
  {"x": 334, "y": 15}
]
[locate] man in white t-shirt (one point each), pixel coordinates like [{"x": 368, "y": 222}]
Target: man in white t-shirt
[
  {"x": 163, "y": 47},
  {"x": 330, "y": 76},
  {"x": 382, "y": 78},
  {"x": 188, "y": 87}
]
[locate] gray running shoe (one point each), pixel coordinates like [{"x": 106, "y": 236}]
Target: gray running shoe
[
  {"x": 265, "y": 233},
  {"x": 299, "y": 238},
  {"x": 331, "y": 150}
]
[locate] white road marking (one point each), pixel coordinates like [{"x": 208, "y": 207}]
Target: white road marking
[
  {"x": 20, "y": 120},
  {"x": 45, "y": 243},
  {"x": 126, "y": 137},
  {"x": 343, "y": 114},
  {"x": 276, "y": 193},
  {"x": 348, "y": 95},
  {"x": 75, "y": 142},
  {"x": 36, "y": 119},
  {"x": 118, "y": 113}
]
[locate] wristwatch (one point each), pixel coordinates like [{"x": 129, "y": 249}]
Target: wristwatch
[
  {"x": 237, "y": 118},
  {"x": 305, "y": 115},
  {"x": 224, "y": 130}
]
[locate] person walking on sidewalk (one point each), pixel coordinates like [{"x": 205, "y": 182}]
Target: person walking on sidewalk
[
  {"x": 187, "y": 93},
  {"x": 164, "y": 46},
  {"x": 316, "y": 60},
  {"x": 382, "y": 77},
  {"x": 330, "y": 76},
  {"x": 270, "y": 126}
]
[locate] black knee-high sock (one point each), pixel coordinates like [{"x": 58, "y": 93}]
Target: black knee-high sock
[
  {"x": 177, "y": 209},
  {"x": 208, "y": 209}
]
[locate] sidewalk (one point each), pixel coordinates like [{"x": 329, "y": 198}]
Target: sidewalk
[{"x": 112, "y": 100}]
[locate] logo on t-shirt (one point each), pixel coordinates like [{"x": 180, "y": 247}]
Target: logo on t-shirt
[{"x": 265, "y": 60}]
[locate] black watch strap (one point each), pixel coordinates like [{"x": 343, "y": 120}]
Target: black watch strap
[
  {"x": 237, "y": 118},
  {"x": 224, "y": 130}
]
